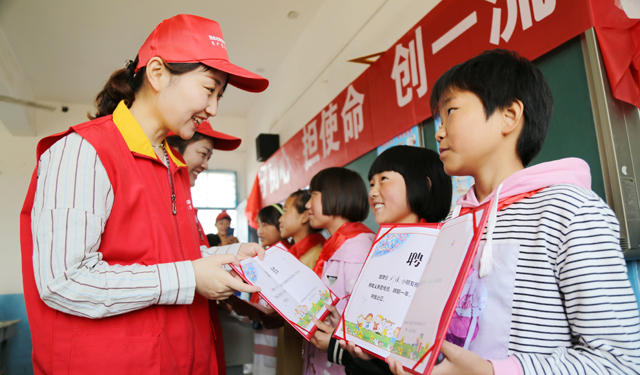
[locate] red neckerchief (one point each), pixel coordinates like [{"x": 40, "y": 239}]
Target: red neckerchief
[
  {"x": 301, "y": 248},
  {"x": 507, "y": 201},
  {"x": 346, "y": 231}
]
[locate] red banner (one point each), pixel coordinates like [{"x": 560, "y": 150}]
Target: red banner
[{"x": 392, "y": 95}]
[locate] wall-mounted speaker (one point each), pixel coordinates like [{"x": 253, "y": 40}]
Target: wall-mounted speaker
[{"x": 266, "y": 145}]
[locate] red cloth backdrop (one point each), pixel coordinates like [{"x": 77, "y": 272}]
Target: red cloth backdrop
[{"x": 392, "y": 95}]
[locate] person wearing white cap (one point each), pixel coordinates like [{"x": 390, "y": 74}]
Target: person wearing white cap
[{"x": 110, "y": 250}]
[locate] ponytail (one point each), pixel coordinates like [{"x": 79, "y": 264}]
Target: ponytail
[
  {"x": 125, "y": 83},
  {"x": 122, "y": 85}
]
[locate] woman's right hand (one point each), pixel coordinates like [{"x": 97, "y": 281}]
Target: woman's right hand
[{"x": 213, "y": 282}]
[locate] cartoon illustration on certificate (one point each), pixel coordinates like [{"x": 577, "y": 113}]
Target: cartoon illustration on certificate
[
  {"x": 403, "y": 292},
  {"x": 290, "y": 287}
]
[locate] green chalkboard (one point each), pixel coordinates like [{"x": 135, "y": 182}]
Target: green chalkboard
[{"x": 572, "y": 130}]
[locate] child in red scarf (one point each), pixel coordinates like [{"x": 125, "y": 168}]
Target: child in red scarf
[
  {"x": 307, "y": 245},
  {"x": 338, "y": 204}
]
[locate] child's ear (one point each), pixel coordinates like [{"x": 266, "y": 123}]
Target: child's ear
[
  {"x": 513, "y": 117},
  {"x": 304, "y": 218}
]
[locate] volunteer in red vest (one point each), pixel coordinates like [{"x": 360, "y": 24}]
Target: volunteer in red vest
[
  {"x": 114, "y": 278},
  {"x": 196, "y": 153}
]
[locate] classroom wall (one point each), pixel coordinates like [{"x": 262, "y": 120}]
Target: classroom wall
[{"x": 316, "y": 69}]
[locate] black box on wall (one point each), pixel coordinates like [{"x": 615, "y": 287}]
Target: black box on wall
[{"x": 266, "y": 145}]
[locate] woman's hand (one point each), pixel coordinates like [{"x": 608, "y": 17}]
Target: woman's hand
[
  {"x": 355, "y": 351},
  {"x": 457, "y": 361},
  {"x": 251, "y": 249},
  {"x": 213, "y": 282},
  {"x": 322, "y": 336}
]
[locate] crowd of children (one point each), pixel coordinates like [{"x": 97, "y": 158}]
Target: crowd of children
[{"x": 559, "y": 300}]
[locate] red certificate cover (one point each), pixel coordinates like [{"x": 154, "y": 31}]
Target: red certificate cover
[
  {"x": 290, "y": 287},
  {"x": 409, "y": 287}
]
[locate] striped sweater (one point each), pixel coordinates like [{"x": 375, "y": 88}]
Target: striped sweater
[{"x": 573, "y": 311}]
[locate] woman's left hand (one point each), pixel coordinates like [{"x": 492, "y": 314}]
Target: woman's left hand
[
  {"x": 457, "y": 361},
  {"x": 251, "y": 249},
  {"x": 322, "y": 336}
]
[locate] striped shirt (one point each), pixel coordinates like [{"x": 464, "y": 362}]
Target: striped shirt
[
  {"x": 574, "y": 311},
  {"x": 72, "y": 204}
]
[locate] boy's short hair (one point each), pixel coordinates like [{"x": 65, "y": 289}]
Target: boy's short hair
[
  {"x": 343, "y": 193},
  {"x": 429, "y": 200},
  {"x": 498, "y": 77},
  {"x": 270, "y": 215}
]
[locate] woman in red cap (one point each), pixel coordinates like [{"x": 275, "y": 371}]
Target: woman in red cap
[
  {"x": 196, "y": 153},
  {"x": 110, "y": 252}
]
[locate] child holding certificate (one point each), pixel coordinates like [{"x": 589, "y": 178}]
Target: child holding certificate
[
  {"x": 559, "y": 299},
  {"x": 338, "y": 204},
  {"x": 307, "y": 245},
  {"x": 266, "y": 340},
  {"x": 407, "y": 185}
]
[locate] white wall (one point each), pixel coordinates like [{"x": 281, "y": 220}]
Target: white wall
[
  {"x": 17, "y": 161},
  {"x": 317, "y": 68}
]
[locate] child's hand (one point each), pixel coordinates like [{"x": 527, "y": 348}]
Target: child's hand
[
  {"x": 457, "y": 361},
  {"x": 334, "y": 317},
  {"x": 322, "y": 336},
  {"x": 461, "y": 361},
  {"x": 396, "y": 367},
  {"x": 355, "y": 351}
]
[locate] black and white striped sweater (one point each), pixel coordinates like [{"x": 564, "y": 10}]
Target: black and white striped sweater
[{"x": 574, "y": 311}]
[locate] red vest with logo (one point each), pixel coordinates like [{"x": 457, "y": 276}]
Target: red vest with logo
[{"x": 160, "y": 339}]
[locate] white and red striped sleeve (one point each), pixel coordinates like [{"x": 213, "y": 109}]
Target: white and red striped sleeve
[{"x": 72, "y": 204}]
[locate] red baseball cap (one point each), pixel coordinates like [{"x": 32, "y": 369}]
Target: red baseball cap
[
  {"x": 223, "y": 215},
  {"x": 221, "y": 141},
  {"x": 186, "y": 39}
]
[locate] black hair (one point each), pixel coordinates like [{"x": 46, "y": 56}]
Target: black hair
[
  {"x": 270, "y": 215},
  {"x": 343, "y": 193},
  {"x": 498, "y": 78},
  {"x": 300, "y": 199},
  {"x": 125, "y": 83},
  {"x": 181, "y": 145},
  {"x": 428, "y": 186}
]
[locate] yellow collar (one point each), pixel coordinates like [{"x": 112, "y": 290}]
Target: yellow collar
[{"x": 135, "y": 138}]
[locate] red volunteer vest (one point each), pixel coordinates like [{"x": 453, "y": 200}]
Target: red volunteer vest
[{"x": 160, "y": 339}]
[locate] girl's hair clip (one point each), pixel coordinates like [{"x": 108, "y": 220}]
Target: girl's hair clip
[{"x": 127, "y": 63}]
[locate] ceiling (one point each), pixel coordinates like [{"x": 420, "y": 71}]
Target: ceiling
[{"x": 68, "y": 48}]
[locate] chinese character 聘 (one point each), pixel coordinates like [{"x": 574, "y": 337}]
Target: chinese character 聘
[
  {"x": 328, "y": 127},
  {"x": 414, "y": 258},
  {"x": 352, "y": 119},
  {"x": 408, "y": 67},
  {"x": 310, "y": 145}
]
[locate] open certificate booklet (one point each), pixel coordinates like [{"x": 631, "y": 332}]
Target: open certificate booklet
[
  {"x": 408, "y": 289},
  {"x": 290, "y": 287}
]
